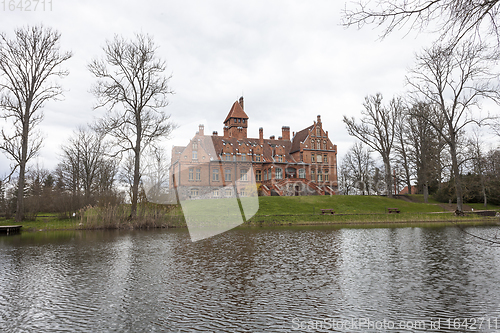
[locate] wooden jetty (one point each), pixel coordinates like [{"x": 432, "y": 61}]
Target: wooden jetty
[{"x": 10, "y": 229}]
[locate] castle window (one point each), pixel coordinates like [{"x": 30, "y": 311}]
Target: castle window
[
  {"x": 326, "y": 175},
  {"x": 320, "y": 175},
  {"x": 191, "y": 174},
  {"x": 198, "y": 175},
  {"x": 280, "y": 158},
  {"x": 215, "y": 175},
  {"x": 258, "y": 175},
  {"x": 325, "y": 158},
  {"x": 301, "y": 156},
  {"x": 312, "y": 144},
  {"x": 228, "y": 157},
  {"x": 215, "y": 192},
  {"x": 235, "y": 121},
  {"x": 229, "y": 192},
  {"x": 242, "y": 192},
  {"x": 243, "y": 174},
  {"x": 318, "y": 131},
  {"x": 195, "y": 155},
  {"x": 302, "y": 173},
  {"x": 312, "y": 158},
  {"x": 324, "y": 145},
  {"x": 195, "y": 145},
  {"x": 257, "y": 158},
  {"x": 243, "y": 121},
  {"x": 239, "y": 120},
  {"x": 278, "y": 173},
  {"x": 319, "y": 158},
  {"x": 227, "y": 175},
  {"x": 194, "y": 192},
  {"x": 313, "y": 176},
  {"x": 243, "y": 157}
]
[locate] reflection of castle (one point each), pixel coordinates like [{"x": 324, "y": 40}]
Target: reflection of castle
[{"x": 301, "y": 165}]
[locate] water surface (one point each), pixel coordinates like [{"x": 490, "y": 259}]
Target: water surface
[{"x": 247, "y": 280}]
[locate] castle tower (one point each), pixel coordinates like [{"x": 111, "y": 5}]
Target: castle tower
[{"x": 236, "y": 123}]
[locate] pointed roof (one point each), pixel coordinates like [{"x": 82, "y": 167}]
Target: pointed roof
[
  {"x": 236, "y": 112},
  {"x": 300, "y": 137}
]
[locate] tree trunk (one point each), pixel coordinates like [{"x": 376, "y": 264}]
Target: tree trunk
[
  {"x": 137, "y": 164},
  {"x": 426, "y": 192},
  {"x": 484, "y": 191},
  {"x": 135, "y": 185},
  {"x": 388, "y": 176},
  {"x": 22, "y": 168},
  {"x": 456, "y": 174}
]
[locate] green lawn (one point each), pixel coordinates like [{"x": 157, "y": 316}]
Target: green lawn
[
  {"x": 342, "y": 204},
  {"x": 299, "y": 210}
]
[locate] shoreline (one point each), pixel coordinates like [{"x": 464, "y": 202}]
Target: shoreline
[{"x": 464, "y": 221}]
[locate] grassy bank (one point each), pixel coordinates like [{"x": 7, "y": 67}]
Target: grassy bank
[{"x": 349, "y": 210}]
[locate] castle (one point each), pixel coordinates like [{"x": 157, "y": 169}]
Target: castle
[{"x": 304, "y": 163}]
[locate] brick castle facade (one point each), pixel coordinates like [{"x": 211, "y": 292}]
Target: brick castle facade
[{"x": 304, "y": 163}]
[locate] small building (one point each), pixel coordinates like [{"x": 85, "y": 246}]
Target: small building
[{"x": 302, "y": 163}]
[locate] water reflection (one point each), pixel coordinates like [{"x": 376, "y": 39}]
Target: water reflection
[{"x": 245, "y": 280}]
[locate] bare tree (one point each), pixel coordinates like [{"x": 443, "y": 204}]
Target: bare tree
[
  {"x": 402, "y": 147},
  {"x": 28, "y": 62},
  {"x": 357, "y": 168},
  {"x": 83, "y": 160},
  {"x": 451, "y": 18},
  {"x": 425, "y": 145},
  {"x": 454, "y": 80},
  {"x": 133, "y": 85},
  {"x": 475, "y": 151},
  {"x": 377, "y": 130},
  {"x": 155, "y": 180}
]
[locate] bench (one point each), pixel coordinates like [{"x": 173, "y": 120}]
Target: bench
[
  {"x": 393, "y": 210},
  {"x": 325, "y": 211}
]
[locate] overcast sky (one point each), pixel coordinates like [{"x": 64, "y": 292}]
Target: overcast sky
[{"x": 291, "y": 60}]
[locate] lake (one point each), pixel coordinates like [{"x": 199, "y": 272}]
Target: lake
[{"x": 302, "y": 279}]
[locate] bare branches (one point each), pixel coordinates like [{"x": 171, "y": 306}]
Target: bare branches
[
  {"x": 132, "y": 85},
  {"x": 377, "y": 129},
  {"x": 453, "y": 79},
  {"x": 451, "y": 18},
  {"x": 27, "y": 65}
]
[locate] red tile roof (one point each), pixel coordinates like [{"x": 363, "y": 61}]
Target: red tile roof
[
  {"x": 236, "y": 112},
  {"x": 298, "y": 138}
]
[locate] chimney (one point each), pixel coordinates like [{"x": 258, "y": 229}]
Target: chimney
[
  {"x": 226, "y": 131},
  {"x": 215, "y": 133},
  {"x": 326, "y": 133},
  {"x": 201, "y": 129},
  {"x": 285, "y": 133},
  {"x": 261, "y": 135},
  {"x": 319, "y": 119},
  {"x": 241, "y": 103},
  {"x": 272, "y": 137}
]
